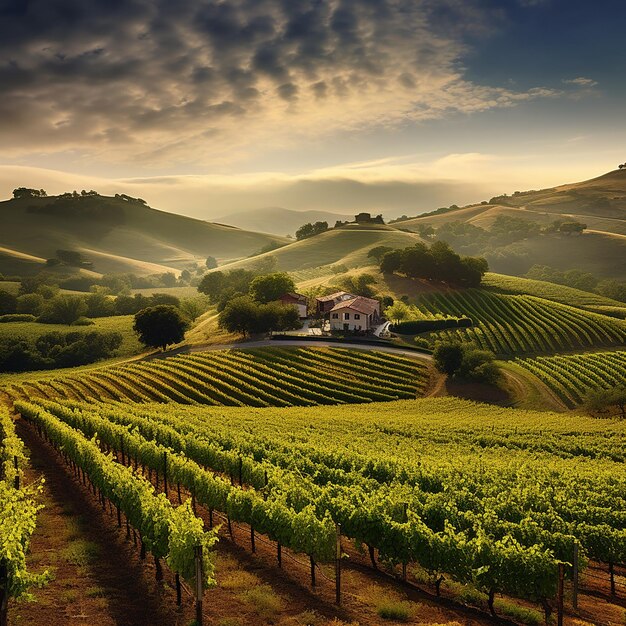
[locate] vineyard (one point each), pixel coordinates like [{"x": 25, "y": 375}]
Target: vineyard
[
  {"x": 18, "y": 517},
  {"x": 491, "y": 497},
  {"x": 509, "y": 324},
  {"x": 262, "y": 377},
  {"x": 572, "y": 376}
]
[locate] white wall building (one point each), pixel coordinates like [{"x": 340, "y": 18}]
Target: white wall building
[{"x": 358, "y": 313}]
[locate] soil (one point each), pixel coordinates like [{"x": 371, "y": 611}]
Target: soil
[{"x": 109, "y": 584}]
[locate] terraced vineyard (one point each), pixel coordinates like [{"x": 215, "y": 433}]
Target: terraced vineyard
[
  {"x": 262, "y": 377},
  {"x": 571, "y": 376},
  {"x": 508, "y": 324}
]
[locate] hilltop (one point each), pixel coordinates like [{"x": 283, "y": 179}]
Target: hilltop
[
  {"x": 277, "y": 220},
  {"x": 117, "y": 234}
]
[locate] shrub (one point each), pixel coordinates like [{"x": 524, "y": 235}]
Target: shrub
[
  {"x": 83, "y": 321},
  {"x": 466, "y": 361},
  {"x": 394, "y": 609},
  {"x": 17, "y": 317}
]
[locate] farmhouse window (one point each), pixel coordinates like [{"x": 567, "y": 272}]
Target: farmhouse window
[
  {"x": 357, "y": 316},
  {"x": 335, "y": 316},
  {"x": 346, "y": 316}
]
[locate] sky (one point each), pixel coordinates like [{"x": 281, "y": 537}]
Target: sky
[{"x": 205, "y": 107}]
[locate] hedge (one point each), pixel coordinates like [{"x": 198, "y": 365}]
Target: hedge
[
  {"x": 424, "y": 326},
  {"x": 17, "y": 317}
]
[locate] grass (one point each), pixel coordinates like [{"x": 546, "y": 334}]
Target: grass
[
  {"x": 522, "y": 614},
  {"x": 392, "y": 609},
  {"x": 81, "y": 552},
  {"x": 135, "y": 238},
  {"x": 263, "y": 600},
  {"x": 239, "y": 580}
]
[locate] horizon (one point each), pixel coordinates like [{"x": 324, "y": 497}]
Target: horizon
[{"x": 401, "y": 107}]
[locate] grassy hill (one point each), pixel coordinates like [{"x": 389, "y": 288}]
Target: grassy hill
[
  {"x": 346, "y": 246},
  {"x": 600, "y": 203},
  {"x": 116, "y": 234}
]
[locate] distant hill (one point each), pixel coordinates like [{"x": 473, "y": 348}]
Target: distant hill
[
  {"x": 600, "y": 203},
  {"x": 117, "y": 234},
  {"x": 279, "y": 221},
  {"x": 347, "y": 246}
]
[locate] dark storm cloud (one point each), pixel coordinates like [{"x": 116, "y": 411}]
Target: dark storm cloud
[{"x": 103, "y": 75}]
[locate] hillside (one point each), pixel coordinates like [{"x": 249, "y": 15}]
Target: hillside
[
  {"x": 600, "y": 203},
  {"x": 347, "y": 246},
  {"x": 277, "y": 220},
  {"x": 116, "y": 234}
]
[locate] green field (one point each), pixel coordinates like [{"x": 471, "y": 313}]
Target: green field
[
  {"x": 572, "y": 376},
  {"x": 486, "y": 496},
  {"x": 122, "y": 324},
  {"x": 510, "y": 325},
  {"x": 262, "y": 377}
]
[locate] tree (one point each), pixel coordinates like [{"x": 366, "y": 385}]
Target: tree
[
  {"x": 8, "y": 302},
  {"x": 459, "y": 360},
  {"x": 30, "y": 303},
  {"x": 210, "y": 263},
  {"x": 64, "y": 309},
  {"x": 70, "y": 257},
  {"x": 309, "y": 230},
  {"x": 271, "y": 287},
  {"x": 238, "y": 315},
  {"x": 378, "y": 252},
  {"x": 448, "y": 358},
  {"x": 193, "y": 308},
  {"x": 397, "y": 312},
  {"x": 24, "y": 192},
  {"x": 569, "y": 228},
  {"x": 212, "y": 285},
  {"x": 161, "y": 325},
  {"x": 168, "y": 279}
]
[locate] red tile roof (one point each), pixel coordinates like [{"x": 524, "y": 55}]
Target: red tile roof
[{"x": 367, "y": 306}]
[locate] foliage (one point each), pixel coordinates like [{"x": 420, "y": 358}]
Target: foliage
[
  {"x": 56, "y": 349},
  {"x": 378, "y": 252},
  {"x": 160, "y": 326},
  {"x": 17, "y": 317},
  {"x": 245, "y": 315},
  {"x": 359, "y": 285},
  {"x": 271, "y": 287},
  {"x": 438, "y": 262},
  {"x": 193, "y": 308},
  {"x": 465, "y": 361},
  {"x": 210, "y": 263},
  {"x": 25, "y": 192},
  {"x": 63, "y": 309},
  {"x": 8, "y": 302},
  {"x": 310, "y": 230}
]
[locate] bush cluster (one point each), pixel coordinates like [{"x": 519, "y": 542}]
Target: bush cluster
[
  {"x": 52, "y": 350},
  {"x": 439, "y": 262}
]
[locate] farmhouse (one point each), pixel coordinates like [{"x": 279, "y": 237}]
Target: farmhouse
[
  {"x": 324, "y": 304},
  {"x": 297, "y": 300},
  {"x": 356, "y": 313}
]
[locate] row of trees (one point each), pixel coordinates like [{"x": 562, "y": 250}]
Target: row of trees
[{"x": 439, "y": 262}]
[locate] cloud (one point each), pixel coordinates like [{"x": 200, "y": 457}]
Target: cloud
[
  {"x": 205, "y": 82},
  {"x": 581, "y": 81}
]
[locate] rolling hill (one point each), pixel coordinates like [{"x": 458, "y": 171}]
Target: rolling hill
[
  {"x": 277, "y": 220},
  {"x": 600, "y": 203},
  {"x": 346, "y": 246},
  {"x": 116, "y": 233}
]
